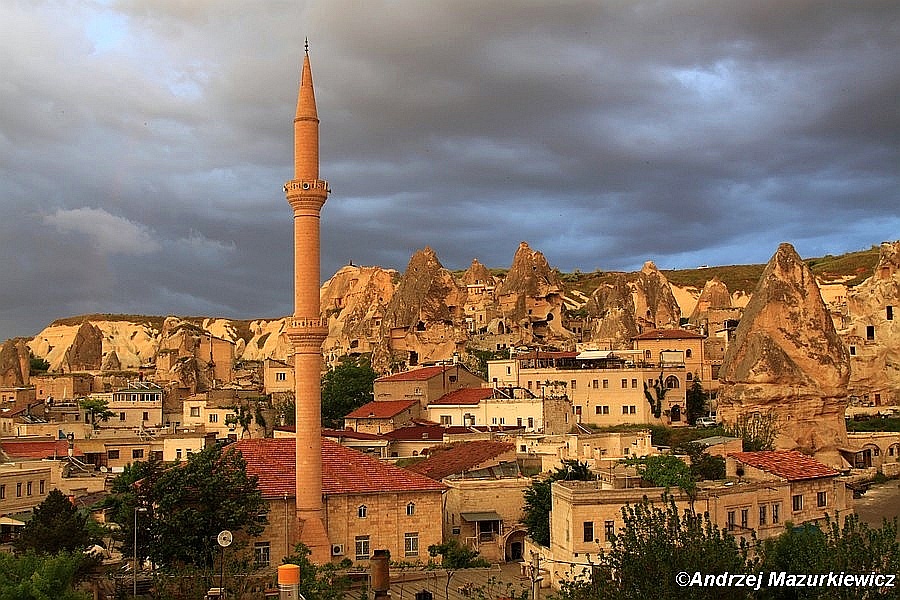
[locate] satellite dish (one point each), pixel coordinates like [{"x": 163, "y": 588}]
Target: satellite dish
[{"x": 224, "y": 538}]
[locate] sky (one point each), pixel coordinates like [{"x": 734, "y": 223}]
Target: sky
[{"x": 144, "y": 143}]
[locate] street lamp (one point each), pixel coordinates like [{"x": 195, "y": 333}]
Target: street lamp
[{"x": 137, "y": 509}]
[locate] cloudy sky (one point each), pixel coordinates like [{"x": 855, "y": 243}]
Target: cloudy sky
[{"x": 144, "y": 143}]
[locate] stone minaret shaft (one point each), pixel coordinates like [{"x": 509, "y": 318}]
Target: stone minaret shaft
[{"x": 306, "y": 194}]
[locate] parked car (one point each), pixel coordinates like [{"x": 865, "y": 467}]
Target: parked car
[{"x": 706, "y": 422}]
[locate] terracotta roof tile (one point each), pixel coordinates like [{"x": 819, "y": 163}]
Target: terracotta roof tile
[
  {"x": 790, "y": 464},
  {"x": 465, "y": 396},
  {"x": 344, "y": 471},
  {"x": 381, "y": 409},
  {"x": 459, "y": 458},
  {"x": 38, "y": 449},
  {"x": 668, "y": 334},
  {"x": 420, "y": 374}
]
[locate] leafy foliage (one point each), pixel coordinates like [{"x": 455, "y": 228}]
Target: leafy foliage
[
  {"x": 457, "y": 556},
  {"x": 188, "y": 505},
  {"x": 757, "y": 430},
  {"x": 325, "y": 582},
  {"x": 56, "y": 526},
  {"x": 345, "y": 388},
  {"x": 40, "y": 577},
  {"x": 538, "y": 498}
]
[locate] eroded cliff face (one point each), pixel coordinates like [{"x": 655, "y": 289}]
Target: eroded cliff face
[
  {"x": 787, "y": 360},
  {"x": 873, "y": 331}
]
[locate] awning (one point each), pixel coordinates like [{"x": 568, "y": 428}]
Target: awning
[{"x": 473, "y": 517}]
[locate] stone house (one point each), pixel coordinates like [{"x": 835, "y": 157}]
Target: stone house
[{"x": 369, "y": 505}]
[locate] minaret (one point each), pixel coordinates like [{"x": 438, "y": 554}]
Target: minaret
[{"x": 306, "y": 194}]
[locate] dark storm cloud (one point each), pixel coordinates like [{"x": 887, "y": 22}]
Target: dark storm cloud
[{"x": 144, "y": 143}]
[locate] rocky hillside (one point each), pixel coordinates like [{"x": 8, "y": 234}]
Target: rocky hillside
[{"x": 429, "y": 313}]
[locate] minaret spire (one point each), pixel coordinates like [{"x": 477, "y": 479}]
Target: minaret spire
[{"x": 306, "y": 194}]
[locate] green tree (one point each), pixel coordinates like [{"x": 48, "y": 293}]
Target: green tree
[
  {"x": 97, "y": 408},
  {"x": 188, "y": 505},
  {"x": 40, "y": 577},
  {"x": 325, "y": 582},
  {"x": 56, "y": 526},
  {"x": 696, "y": 401},
  {"x": 345, "y": 388},
  {"x": 538, "y": 498},
  {"x": 457, "y": 556},
  {"x": 656, "y": 543}
]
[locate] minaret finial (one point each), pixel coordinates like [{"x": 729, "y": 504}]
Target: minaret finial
[{"x": 306, "y": 45}]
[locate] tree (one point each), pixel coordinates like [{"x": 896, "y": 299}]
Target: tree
[
  {"x": 538, "y": 498},
  {"x": 345, "y": 388},
  {"x": 97, "y": 408},
  {"x": 696, "y": 402},
  {"x": 325, "y": 582},
  {"x": 40, "y": 577},
  {"x": 56, "y": 526},
  {"x": 655, "y": 544},
  {"x": 188, "y": 504},
  {"x": 457, "y": 556}
]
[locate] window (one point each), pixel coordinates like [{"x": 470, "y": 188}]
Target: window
[
  {"x": 609, "y": 529},
  {"x": 821, "y": 499},
  {"x": 362, "y": 511},
  {"x": 762, "y": 515},
  {"x": 261, "y": 554},
  {"x": 776, "y": 511},
  {"x": 137, "y": 453},
  {"x": 112, "y": 454},
  {"x": 213, "y": 418},
  {"x": 411, "y": 544},
  {"x": 745, "y": 518},
  {"x": 410, "y": 509},
  {"x": 730, "y": 520},
  {"x": 588, "y": 531},
  {"x": 446, "y": 419},
  {"x": 281, "y": 376},
  {"x": 797, "y": 501},
  {"x": 362, "y": 547}
]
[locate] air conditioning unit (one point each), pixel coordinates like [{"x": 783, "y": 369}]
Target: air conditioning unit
[{"x": 337, "y": 549}]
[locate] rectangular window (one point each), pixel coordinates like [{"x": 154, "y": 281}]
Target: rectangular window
[
  {"x": 137, "y": 453},
  {"x": 821, "y": 499},
  {"x": 261, "y": 554},
  {"x": 195, "y": 411},
  {"x": 112, "y": 455},
  {"x": 609, "y": 529},
  {"x": 588, "y": 531},
  {"x": 762, "y": 515},
  {"x": 606, "y": 384},
  {"x": 776, "y": 513},
  {"x": 797, "y": 502},
  {"x": 411, "y": 544},
  {"x": 362, "y": 547}
]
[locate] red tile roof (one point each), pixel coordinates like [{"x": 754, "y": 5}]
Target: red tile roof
[
  {"x": 460, "y": 457},
  {"x": 420, "y": 374},
  {"x": 38, "y": 449},
  {"x": 344, "y": 471},
  {"x": 470, "y": 396},
  {"x": 383, "y": 409},
  {"x": 790, "y": 464},
  {"x": 668, "y": 334}
]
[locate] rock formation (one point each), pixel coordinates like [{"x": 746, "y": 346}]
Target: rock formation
[
  {"x": 873, "y": 332},
  {"x": 787, "y": 360}
]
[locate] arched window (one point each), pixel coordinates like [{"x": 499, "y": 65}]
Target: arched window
[
  {"x": 362, "y": 512},
  {"x": 687, "y": 353},
  {"x": 411, "y": 509},
  {"x": 672, "y": 382}
]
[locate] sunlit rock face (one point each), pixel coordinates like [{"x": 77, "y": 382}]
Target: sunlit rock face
[
  {"x": 873, "y": 331},
  {"x": 788, "y": 360}
]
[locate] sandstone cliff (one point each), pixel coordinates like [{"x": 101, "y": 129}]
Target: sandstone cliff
[{"x": 788, "y": 360}]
